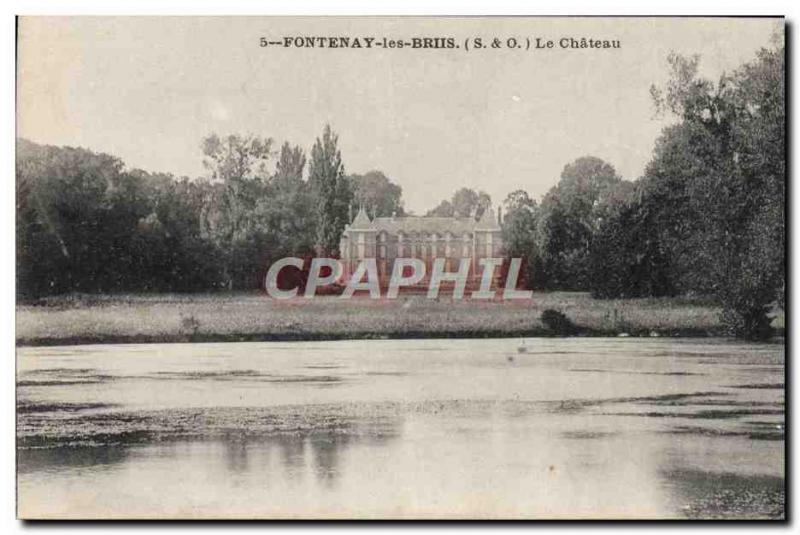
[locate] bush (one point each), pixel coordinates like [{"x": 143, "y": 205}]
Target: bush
[
  {"x": 750, "y": 286},
  {"x": 749, "y": 323},
  {"x": 557, "y": 322}
]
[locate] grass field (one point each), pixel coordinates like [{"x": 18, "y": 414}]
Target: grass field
[{"x": 252, "y": 316}]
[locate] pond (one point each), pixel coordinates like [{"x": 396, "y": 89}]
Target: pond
[{"x": 569, "y": 428}]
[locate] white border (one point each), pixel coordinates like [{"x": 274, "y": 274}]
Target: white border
[
  {"x": 408, "y": 7},
  {"x": 317, "y": 7}
]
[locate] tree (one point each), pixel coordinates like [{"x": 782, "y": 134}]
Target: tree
[
  {"x": 465, "y": 202},
  {"x": 290, "y": 166},
  {"x": 379, "y": 195},
  {"x": 170, "y": 252},
  {"x": 469, "y": 203},
  {"x": 238, "y": 170},
  {"x": 569, "y": 217},
  {"x": 735, "y": 130},
  {"x": 519, "y": 233},
  {"x": 627, "y": 258},
  {"x": 443, "y": 209},
  {"x": 288, "y": 207},
  {"x": 76, "y": 213},
  {"x": 86, "y": 224},
  {"x": 332, "y": 192}
]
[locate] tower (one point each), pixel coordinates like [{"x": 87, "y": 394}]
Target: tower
[{"x": 358, "y": 242}]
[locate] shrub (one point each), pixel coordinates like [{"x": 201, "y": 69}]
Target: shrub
[
  {"x": 750, "y": 324},
  {"x": 557, "y": 322}
]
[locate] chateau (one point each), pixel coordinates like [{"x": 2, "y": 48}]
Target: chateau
[{"x": 425, "y": 238}]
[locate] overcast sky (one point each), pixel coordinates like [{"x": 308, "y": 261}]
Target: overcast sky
[{"x": 149, "y": 89}]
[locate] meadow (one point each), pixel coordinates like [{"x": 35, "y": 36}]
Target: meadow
[{"x": 76, "y": 319}]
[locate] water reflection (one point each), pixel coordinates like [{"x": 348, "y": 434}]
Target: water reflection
[
  {"x": 293, "y": 452},
  {"x": 65, "y": 458},
  {"x": 326, "y": 451},
  {"x": 236, "y": 455},
  {"x": 326, "y": 435},
  {"x": 422, "y": 429}
]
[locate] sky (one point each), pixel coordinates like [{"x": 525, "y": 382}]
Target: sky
[{"x": 148, "y": 89}]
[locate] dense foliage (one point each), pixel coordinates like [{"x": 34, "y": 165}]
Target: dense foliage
[
  {"x": 379, "y": 196},
  {"x": 706, "y": 218},
  {"x": 465, "y": 202},
  {"x": 86, "y": 224}
]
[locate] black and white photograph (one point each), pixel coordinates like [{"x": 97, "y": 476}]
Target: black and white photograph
[{"x": 400, "y": 268}]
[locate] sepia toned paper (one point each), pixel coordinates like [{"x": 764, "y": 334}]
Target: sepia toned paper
[{"x": 255, "y": 272}]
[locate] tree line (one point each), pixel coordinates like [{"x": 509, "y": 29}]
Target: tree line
[
  {"x": 86, "y": 224},
  {"x": 706, "y": 217}
]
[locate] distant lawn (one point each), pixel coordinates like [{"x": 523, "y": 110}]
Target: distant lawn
[{"x": 253, "y": 316}]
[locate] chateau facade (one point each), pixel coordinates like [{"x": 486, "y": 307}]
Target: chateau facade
[{"x": 424, "y": 238}]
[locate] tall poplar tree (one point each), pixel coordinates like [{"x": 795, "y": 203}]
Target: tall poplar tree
[{"x": 332, "y": 191}]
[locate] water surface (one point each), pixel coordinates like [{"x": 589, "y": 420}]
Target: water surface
[{"x": 577, "y": 428}]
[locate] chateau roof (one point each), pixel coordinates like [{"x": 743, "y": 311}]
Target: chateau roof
[
  {"x": 428, "y": 225},
  {"x": 424, "y": 224}
]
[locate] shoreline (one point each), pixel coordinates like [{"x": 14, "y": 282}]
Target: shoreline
[
  {"x": 77, "y": 340},
  {"x": 250, "y": 317}
]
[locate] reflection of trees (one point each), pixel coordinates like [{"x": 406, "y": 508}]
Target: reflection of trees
[
  {"x": 326, "y": 449},
  {"x": 327, "y": 435},
  {"x": 327, "y": 446},
  {"x": 292, "y": 448},
  {"x": 43, "y": 459},
  {"x": 329, "y": 430},
  {"x": 236, "y": 454}
]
